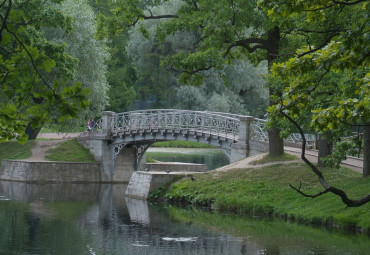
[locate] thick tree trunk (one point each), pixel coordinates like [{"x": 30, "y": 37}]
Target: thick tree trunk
[
  {"x": 366, "y": 166},
  {"x": 32, "y": 132},
  {"x": 276, "y": 143},
  {"x": 325, "y": 147}
]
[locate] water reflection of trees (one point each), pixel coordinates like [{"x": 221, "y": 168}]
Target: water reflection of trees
[{"x": 91, "y": 218}]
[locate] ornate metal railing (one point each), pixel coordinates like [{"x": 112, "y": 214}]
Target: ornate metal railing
[
  {"x": 213, "y": 123},
  {"x": 260, "y": 134}
]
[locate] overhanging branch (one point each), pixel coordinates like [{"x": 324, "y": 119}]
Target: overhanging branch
[
  {"x": 327, "y": 187},
  {"x": 246, "y": 43}
]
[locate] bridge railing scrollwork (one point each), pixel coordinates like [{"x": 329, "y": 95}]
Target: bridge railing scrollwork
[
  {"x": 176, "y": 120},
  {"x": 260, "y": 133}
]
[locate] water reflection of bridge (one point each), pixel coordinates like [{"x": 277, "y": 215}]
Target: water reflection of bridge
[{"x": 122, "y": 139}]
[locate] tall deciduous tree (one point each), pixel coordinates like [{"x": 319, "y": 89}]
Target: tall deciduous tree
[
  {"x": 26, "y": 58},
  {"x": 330, "y": 77}
]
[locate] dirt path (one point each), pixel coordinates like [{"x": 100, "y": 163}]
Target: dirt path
[
  {"x": 352, "y": 163},
  {"x": 41, "y": 147}
]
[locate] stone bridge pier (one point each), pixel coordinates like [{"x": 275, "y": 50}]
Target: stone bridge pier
[
  {"x": 120, "y": 146},
  {"x": 117, "y": 162}
]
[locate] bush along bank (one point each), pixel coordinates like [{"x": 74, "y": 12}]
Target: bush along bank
[{"x": 265, "y": 192}]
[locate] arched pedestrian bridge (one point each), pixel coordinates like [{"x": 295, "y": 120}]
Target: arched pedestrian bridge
[{"x": 121, "y": 139}]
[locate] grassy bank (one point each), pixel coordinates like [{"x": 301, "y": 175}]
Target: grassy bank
[
  {"x": 15, "y": 150},
  {"x": 265, "y": 191},
  {"x": 70, "y": 151}
]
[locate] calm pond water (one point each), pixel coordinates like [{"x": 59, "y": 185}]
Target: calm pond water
[
  {"x": 98, "y": 219},
  {"x": 213, "y": 158}
]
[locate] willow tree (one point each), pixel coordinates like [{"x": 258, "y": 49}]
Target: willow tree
[
  {"x": 91, "y": 55},
  {"x": 224, "y": 30}
]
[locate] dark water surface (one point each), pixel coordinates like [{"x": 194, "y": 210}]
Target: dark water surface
[{"x": 99, "y": 219}]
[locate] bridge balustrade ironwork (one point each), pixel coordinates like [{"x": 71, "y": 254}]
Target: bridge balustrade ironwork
[
  {"x": 260, "y": 133},
  {"x": 176, "y": 120},
  {"x": 219, "y": 123}
]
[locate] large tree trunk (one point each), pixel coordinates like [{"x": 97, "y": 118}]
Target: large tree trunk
[
  {"x": 32, "y": 132},
  {"x": 325, "y": 147},
  {"x": 276, "y": 143},
  {"x": 366, "y": 166}
]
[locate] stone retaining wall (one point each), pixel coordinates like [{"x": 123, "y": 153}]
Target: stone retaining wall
[
  {"x": 26, "y": 171},
  {"x": 142, "y": 183}
]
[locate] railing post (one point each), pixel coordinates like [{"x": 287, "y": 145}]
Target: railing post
[
  {"x": 245, "y": 129},
  {"x": 107, "y": 122},
  {"x": 240, "y": 150}
]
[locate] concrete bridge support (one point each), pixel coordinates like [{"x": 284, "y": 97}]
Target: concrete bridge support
[
  {"x": 117, "y": 163},
  {"x": 240, "y": 149}
]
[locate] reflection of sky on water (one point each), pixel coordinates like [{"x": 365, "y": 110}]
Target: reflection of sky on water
[
  {"x": 98, "y": 219},
  {"x": 213, "y": 158}
]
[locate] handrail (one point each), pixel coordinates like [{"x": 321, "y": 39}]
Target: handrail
[{"x": 174, "y": 119}]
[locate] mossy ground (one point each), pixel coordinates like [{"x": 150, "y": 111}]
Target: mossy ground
[{"x": 265, "y": 191}]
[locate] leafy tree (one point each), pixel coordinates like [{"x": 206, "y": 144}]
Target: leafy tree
[
  {"x": 331, "y": 78},
  {"x": 28, "y": 98}
]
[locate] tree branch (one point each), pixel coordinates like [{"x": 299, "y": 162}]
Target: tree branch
[
  {"x": 261, "y": 44},
  {"x": 348, "y": 3},
  {"x": 169, "y": 16},
  {"x": 327, "y": 188},
  {"x": 3, "y": 26},
  {"x": 328, "y": 39},
  {"x": 341, "y": 3},
  {"x": 2, "y": 4},
  {"x": 32, "y": 62}
]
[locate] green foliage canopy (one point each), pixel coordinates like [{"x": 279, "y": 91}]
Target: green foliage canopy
[
  {"x": 331, "y": 78},
  {"x": 26, "y": 57}
]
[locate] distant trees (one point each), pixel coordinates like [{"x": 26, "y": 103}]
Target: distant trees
[
  {"x": 90, "y": 54},
  {"x": 245, "y": 82}
]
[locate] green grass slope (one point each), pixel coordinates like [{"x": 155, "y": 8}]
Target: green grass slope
[
  {"x": 70, "y": 151},
  {"x": 265, "y": 191},
  {"x": 15, "y": 150}
]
